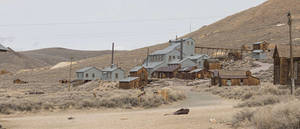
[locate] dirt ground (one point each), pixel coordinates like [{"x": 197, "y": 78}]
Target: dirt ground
[{"x": 208, "y": 111}]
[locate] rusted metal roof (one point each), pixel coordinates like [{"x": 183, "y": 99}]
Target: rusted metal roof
[
  {"x": 232, "y": 74},
  {"x": 284, "y": 50},
  {"x": 170, "y": 68}
]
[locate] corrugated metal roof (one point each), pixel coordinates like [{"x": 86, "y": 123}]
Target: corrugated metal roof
[
  {"x": 3, "y": 48},
  {"x": 136, "y": 68},
  {"x": 129, "y": 79},
  {"x": 170, "y": 68},
  {"x": 86, "y": 69},
  {"x": 257, "y": 51},
  {"x": 196, "y": 71},
  {"x": 110, "y": 68},
  {"x": 198, "y": 57},
  {"x": 187, "y": 69},
  {"x": 166, "y": 50},
  {"x": 152, "y": 64}
]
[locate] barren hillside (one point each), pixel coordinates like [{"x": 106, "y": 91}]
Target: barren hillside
[
  {"x": 53, "y": 56},
  {"x": 264, "y": 22}
]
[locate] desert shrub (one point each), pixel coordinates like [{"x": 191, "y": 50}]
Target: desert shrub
[
  {"x": 242, "y": 118},
  {"x": 279, "y": 116},
  {"x": 260, "y": 101}
]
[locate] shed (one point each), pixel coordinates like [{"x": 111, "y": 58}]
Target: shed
[
  {"x": 89, "y": 74},
  {"x": 113, "y": 73},
  {"x": 129, "y": 83},
  {"x": 212, "y": 64},
  {"x": 235, "y": 78},
  {"x": 282, "y": 68},
  {"x": 261, "y": 46},
  {"x": 141, "y": 72},
  {"x": 259, "y": 54},
  {"x": 166, "y": 72},
  {"x": 183, "y": 73},
  {"x": 200, "y": 74}
]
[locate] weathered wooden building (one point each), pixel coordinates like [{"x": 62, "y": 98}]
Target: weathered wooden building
[
  {"x": 234, "y": 78},
  {"x": 282, "y": 68},
  {"x": 141, "y": 72},
  {"x": 200, "y": 74},
  {"x": 166, "y": 72},
  {"x": 130, "y": 83},
  {"x": 212, "y": 64},
  {"x": 261, "y": 46},
  {"x": 183, "y": 73},
  {"x": 113, "y": 73}
]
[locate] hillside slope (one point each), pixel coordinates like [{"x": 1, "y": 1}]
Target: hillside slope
[
  {"x": 264, "y": 22},
  {"x": 267, "y": 21},
  {"x": 52, "y": 56}
]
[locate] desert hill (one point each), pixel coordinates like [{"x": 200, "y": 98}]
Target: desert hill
[
  {"x": 264, "y": 22},
  {"x": 52, "y": 56}
]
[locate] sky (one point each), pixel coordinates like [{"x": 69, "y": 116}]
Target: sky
[{"x": 95, "y": 24}]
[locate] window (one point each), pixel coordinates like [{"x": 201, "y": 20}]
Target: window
[
  {"x": 170, "y": 58},
  {"x": 174, "y": 57},
  {"x": 87, "y": 75},
  {"x": 93, "y": 75},
  {"x": 117, "y": 76},
  {"x": 192, "y": 43}
]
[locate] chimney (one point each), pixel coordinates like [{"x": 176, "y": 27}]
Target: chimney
[
  {"x": 147, "y": 62},
  {"x": 112, "y": 54},
  {"x": 181, "y": 49}
]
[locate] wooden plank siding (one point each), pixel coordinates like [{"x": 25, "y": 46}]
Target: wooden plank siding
[{"x": 142, "y": 74}]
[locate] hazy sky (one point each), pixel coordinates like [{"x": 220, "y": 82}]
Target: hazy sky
[{"x": 95, "y": 24}]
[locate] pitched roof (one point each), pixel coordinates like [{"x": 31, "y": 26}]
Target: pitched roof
[
  {"x": 136, "y": 68},
  {"x": 3, "y": 48},
  {"x": 232, "y": 74},
  {"x": 196, "y": 71},
  {"x": 284, "y": 50},
  {"x": 85, "y": 69},
  {"x": 195, "y": 57},
  {"x": 166, "y": 50},
  {"x": 170, "y": 68},
  {"x": 129, "y": 79},
  {"x": 187, "y": 69},
  {"x": 152, "y": 64},
  {"x": 178, "y": 61},
  {"x": 257, "y": 51}
]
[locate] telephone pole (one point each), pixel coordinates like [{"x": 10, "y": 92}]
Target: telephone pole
[
  {"x": 70, "y": 74},
  {"x": 291, "y": 54}
]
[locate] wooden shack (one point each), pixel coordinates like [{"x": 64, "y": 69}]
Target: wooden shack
[
  {"x": 166, "y": 72},
  {"x": 282, "y": 68},
  {"x": 261, "y": 46},
  {"x": 200, "y": 74},
  {"x": 130, "y": 83},
  {"x": 141, "y": 72},
  {"x": 212, "y": 64},
  {"x": 235, "y": 78},
  {"x": 183, "y": 73}
]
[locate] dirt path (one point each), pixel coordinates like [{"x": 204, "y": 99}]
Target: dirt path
[
  {"x": 263, "y": 67},
  {"x": 203, "y": 108}
]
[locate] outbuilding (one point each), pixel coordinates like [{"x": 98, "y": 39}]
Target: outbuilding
[
  {"x": 200, "y": 74},
  {"x": 113, "y": 73},
  {"x": 235, "y": 78},
  {"x": 166, "y": 72},
  {"x": 282, "y": 63},
  {"x": 129, "y": 83},
  {"x": 141, "y": 72},
  {"x": 183, "y": 73},
  {"x": 212, "y": 64}
]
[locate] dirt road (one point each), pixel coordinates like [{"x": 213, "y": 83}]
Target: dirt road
[{"x": 206, "y": 111}]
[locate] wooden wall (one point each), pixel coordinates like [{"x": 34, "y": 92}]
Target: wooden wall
[
  {"x": 130, "y": 85},
  {"x": 142, "y": 74}
]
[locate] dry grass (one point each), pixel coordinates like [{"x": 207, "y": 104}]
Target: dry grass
[
  {"x": 113, "y": 98},
  {"x": 279, "y": 116}
]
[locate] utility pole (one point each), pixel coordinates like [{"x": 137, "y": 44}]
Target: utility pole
[
  {"x": 70, "y": 74},
  {"x": 112, "y": 54},
  {"x": 147, "y": 62},
  {"x": 291, "y": 54}
]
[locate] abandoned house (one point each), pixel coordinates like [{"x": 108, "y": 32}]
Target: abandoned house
[
  {"x": 166, "y": 72},
  {"x": 3, "y": 49},
  {"x": 261, "y": 46},
  {"x": 183, "y": 73},
  {"x": 178, "y": 50},
  {"x": 113, "y": 73},
  {"x": 89, "y": 74},
  {"x": 200, "y": 74},
  {"x": 141, "y": 72},
  {"x": 129, "y": 83},
  {"x": 212, "y": 64},
  {"x": 282, "y": 68},
  {"x": 234, "y": 78},
  {"x": 259, "y": 54}
]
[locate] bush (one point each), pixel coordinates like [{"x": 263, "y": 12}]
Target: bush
[{"x": 260, "y": 101}]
